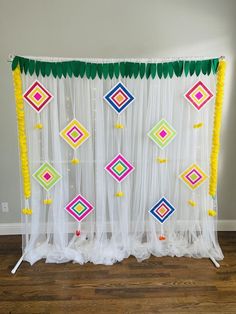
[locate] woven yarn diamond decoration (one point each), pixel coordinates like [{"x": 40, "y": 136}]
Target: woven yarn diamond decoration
[
  {"x": 79, "y": 208},
  {"x": 199, "y": 95},
  {"x": 119, "y": 97},
  {"x": 75, "y": 134},
  {"x": 119, "y": 168},
  {"x": 193, "y": 176},
  {"x": 162, "y": 210},
  {"x": 37, "y": 96},
  {"x": 162, "y": 133},
  {"x": 47, "y": 176}
]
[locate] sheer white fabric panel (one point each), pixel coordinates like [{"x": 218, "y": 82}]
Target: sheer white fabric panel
[{"x": 119, "y": 226}]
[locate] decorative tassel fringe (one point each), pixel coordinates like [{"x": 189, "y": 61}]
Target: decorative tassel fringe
[
  {"x": 192, "y": 203},
  {"x": 161, "y": 160},
  {"x": 21, "y": 132},
  {"x": 47, "y": 201},
  {"x": 198, "y": 125},
  {"x": 38, "y": 126},
  {"x": 212, "y": 212},
  {"x": 119, "y": 194},
  {"x": 216, "y": 129},
  {"x": 75, "y": 161},
  {"x": 162, "y": 238},
  {"x": 119, "y": 126},
  {"x": 26, "y": 211}
]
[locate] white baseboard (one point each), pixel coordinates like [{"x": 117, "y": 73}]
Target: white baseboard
[{"x": 16, "y": 228}]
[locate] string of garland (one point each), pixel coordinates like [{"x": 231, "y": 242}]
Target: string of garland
[
  {"x": 216, "y": 128},
  {"x": 21, "y": 132},
  {"x": 123, "y": 69}
]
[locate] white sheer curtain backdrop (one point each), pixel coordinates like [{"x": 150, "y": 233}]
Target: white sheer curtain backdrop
[{"x": 120, "y": 226}]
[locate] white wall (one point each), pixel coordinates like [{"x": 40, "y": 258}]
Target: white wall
[{"x": 109, "y": 28}]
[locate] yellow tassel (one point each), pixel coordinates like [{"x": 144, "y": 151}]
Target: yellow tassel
[
  {"x": 38, "y": 126},
  {"x": 47, "y": 201},
  {"x": 161, "y": 160},
  {"x": 21, "y": 132},
  {"x": 26, "y": 211},
  {"x": 216, "y": 128},
  {"x": 198, "y": 125},
  {"x": 192, "y": 203},
  {"x": 75, "y": 161},
  {"x": 119, "y": 194},
  {"x": 119, "y": 126},
  {"x": 212, "y": 212}
]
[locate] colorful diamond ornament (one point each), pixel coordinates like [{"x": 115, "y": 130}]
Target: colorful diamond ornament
[
  {"x": 75, "y": 134},
  {"x": 199, "y": 95},
  {"x": 193, "y": 176},
  {"x": 119, "y": 168},
  {"x": 47, "y": 176},
  {"x": 79, "y": 208},
  {"x": 37, "y": 96},
  {"x": 162, "y": 133},
  {"x": 119, "y": 97},
  {"x": 162, "y": 210}
]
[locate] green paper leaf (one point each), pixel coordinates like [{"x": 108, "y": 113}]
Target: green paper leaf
[
  {"x": 153, "y": 70},
  {"x": 14, "y": 63},
  {"x": 69, "y": 69},
  {"x": 142, "y": 70},
  {"x": 136, "y": 70},
  {"x": 99, "y": 69},
  {"x": 204, "y": 66},
  {"x": 42, "y": 68},
  {"x": 88, "y": 70},
  {"x": 111, "y": 70},
  {"x": 75, "y": 68},
  {"x": 214, "y": 65},
  {"x": 31, "y": 67},
  {"x": 181, "y": 67},
  {"x": 165, "y": 68},
  {"x": 93, "y": 70},
  {"x": 116, "y": 70},
  {"x": 176, "y": 68},
  {"x": 25, "y": 65},
  {"x": 131, "y": 69},
  {"x": 54, "y": 69},
  {"x": 127, "y": 69},
  {"x": 64, "y": 69},
  {"x": 148, "y": 70},
  {"x": 170, "y": 69},
  {"x": 37, "y": 68},
  {"x": 159, "y": 70},
  {"x": 186, "y": 68},
  {"x": 198, "y": 67},
  {"x": 47, "y": 68},
  {"x": 105, "y": 70},
  {"x": 81, "y": 68},
  {"x": 208, "y": 67},
  {"x": 122, "y": 69},
  {"x": 59, "y": 69},
  {"x": 192, "y": 67}
]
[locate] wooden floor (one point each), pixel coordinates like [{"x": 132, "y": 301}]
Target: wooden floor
[{"x": 158, "y": 285}]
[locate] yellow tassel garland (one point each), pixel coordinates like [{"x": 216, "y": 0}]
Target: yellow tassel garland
[
  {"x": 119, "y": 194},
  {"x": 212, "y": 212},
  {"x": 192, "y": 203},
  {"x": 216, "y": 128},
  {"x": 21, "y": 132},
  {"x": 26, "y": 211}
]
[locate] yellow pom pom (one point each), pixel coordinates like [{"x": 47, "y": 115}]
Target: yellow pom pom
[
  {"x": 26, "y": 211},
  {"x": 212, "y": 212},
  {"x": 39, "y": 126},
  {"x": 75, "y": 161},
  {"x": 198, "y": 125},
  {"x": 47, "y": 201},
  {"x": 119, "y": 126},
  {"x": 161, "y": 160},
  {"x": 119, "y": 194},
  {"x": 192, "y": 203}
]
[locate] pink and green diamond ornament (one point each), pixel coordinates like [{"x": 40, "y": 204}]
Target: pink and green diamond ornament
[
  {"x": 119, "y": 168},
  {"x": 47, "y": 176},
  {"x": 75, "y": 134},
  {"x": 119, "y": 98},
  {"x": 199, "y": 95},
  {"x": 37, "y": 96},
  {"x": 162, "y": 133},
  {"x": 162, "y": 210},
  {"x": 79, "y": 208},
  {"x": 193, "y": 176}
]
